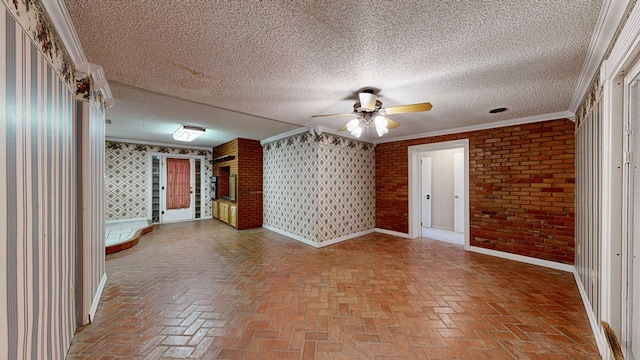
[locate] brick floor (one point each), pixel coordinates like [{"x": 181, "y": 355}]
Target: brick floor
[{"x": 206, "y": 291}]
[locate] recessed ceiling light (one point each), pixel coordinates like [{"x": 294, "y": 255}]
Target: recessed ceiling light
[{"x": 497, "y": 110}]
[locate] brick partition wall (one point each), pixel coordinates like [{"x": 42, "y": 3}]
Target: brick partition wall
[
  {"x": 249, "y": 184},
  {"x": 246, "y": 163},
  {"x": 521, "y": 188},
  {"x": 229, "y": 148}
]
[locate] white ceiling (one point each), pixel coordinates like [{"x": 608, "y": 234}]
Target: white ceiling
[{"x": 255, "y": 69}]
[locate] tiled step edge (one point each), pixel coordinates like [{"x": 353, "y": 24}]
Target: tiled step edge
[{"x": 129, "y": 243}]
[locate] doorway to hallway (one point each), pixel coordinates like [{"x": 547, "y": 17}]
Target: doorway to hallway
[
  {"x": 442, "y": 195},
  {"x": 439, "y": 190}
]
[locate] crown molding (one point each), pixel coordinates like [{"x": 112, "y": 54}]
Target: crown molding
[
  {"x": 178, "y": 146},
  {"x": 611, "y": 14},
  {"x": 100, "y": 82},
  {"x": 345, "y": 134},
  {"x": 492, "y": 125},
  {"x": 61, "y": 21},
  {"x": 626, "y": 47},
  {"x": 285, "y": 135}
]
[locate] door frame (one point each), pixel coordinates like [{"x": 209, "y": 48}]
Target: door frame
[
  {"x": 630, "y": 303},
  {"x": 177, "y": 215},
  {"x": 623, "y": 56},
  {"x": 163, "y": 171},
  {"x": 457, "y": 217},
  {"x": 415, "y": 170},
  {"x": 422, "y": 192}
]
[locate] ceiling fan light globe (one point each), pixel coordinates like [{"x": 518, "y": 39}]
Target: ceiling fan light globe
[
  {"x": 357, "y": 132},
  {"x": 381, "y": 122},
  {"x": 353, "y": 124},
  {"x": 382, "y": 131}
]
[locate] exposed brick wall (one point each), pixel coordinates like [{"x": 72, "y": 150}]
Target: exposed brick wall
[
  {"x": 222, "y": 169},
  {"x": 247, "y": 165},
  {"x": 521, "y": 188},
  {"x": 249, "y": 184}
]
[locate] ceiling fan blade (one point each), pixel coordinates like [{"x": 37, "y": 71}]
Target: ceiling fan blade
[
  {"x": 329, "y": 115},
  {"x": 391, "y": 124},
  {"x": 403, "y": 109}
]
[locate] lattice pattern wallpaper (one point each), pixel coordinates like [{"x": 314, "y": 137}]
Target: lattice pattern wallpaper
[
  {"x": 290, "y": 186},
  {"x": 127, "y": 179},
  {"x": 319, "y": 187},
  {"x": 347, "y": 188}
]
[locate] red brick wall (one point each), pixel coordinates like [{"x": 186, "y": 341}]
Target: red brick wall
[
  {"x": 247, "y": 165},
  {"x": 249, "y": 184},
  {"x": 521, "y": 188},
  {"x": 225, "y": 167}
]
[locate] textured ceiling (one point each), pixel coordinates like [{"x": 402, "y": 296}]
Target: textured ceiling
[{"x": 255, "y": 69}]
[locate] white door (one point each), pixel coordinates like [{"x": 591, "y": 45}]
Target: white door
[
  {"x": 458, "y": 192},
  {"x": 426, "y": 192},
  {"x": 631, "y": 340},
  {"x": 178, "y": 189}
]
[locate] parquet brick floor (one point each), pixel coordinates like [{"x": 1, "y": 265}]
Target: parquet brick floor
[{"x": 201, "y": 290}]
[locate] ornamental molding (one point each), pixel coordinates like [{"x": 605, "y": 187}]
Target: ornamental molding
[
  {"x": 315, "y": 138},
  {"x": 32, "y": 16}
]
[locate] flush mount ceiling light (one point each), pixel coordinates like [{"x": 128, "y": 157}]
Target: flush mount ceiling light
[
  {"x": 369, "y": 114},
  {"x": 188, "y": 133}
]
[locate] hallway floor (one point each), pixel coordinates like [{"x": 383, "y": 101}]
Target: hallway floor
[{"x": 204, "y": 290}]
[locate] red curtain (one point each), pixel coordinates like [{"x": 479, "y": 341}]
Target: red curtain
[{"x": 178, "y": 184}]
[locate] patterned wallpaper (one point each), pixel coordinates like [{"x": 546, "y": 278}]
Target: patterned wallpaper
[
  {"x": 127, "y": 178},
  {"x": 37, "y": 192},
  {"x": 319, "y": 187},
  {"x": 290, "y": 186}
]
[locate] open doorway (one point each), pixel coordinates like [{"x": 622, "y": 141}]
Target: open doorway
[
  {"x": 442, "y": 189},
  {"x": 434, "y": 183}
]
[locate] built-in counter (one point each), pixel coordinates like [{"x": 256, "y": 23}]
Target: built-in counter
[{"x": 225, "y": 211}]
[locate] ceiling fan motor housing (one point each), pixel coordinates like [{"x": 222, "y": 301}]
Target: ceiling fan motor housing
[{"x": 357, "y": 107}]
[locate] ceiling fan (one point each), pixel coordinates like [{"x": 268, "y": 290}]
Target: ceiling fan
[{"x": 369, "y": 112}]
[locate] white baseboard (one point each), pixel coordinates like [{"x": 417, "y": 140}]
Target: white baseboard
[
  {"x": 390, "y": 232},
  {"x": 343, "y": 238},
  {"x": 524, "y": 259},
  {"x": 96, "y": 297},
  {"x": 293, "y": 236},
  {"x": 598, "y": 334},
  {"x": 313, "y": 243}
]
